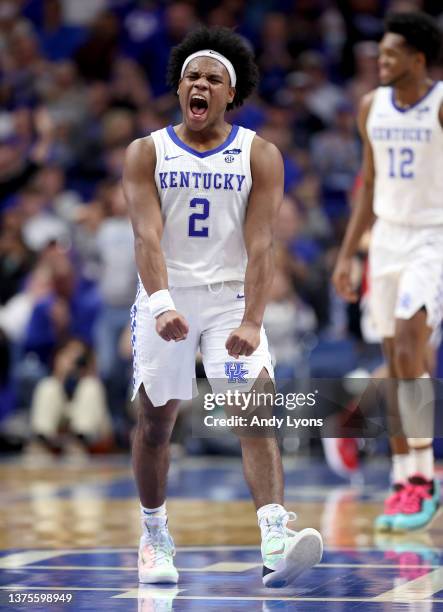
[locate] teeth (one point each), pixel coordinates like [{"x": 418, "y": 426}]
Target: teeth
[{"x": 198, "y": 98}]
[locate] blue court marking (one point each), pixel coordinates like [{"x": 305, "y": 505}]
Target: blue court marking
[{"x": 106, "y": 579}]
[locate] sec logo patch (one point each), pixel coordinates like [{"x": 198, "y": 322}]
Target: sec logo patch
[{"x": 229, "y": 159}]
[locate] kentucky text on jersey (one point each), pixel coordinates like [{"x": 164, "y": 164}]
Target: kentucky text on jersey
[
  {"x": 407, "y": 146},
  {"x": 398, "y": 134},
  {"x": 201, "y": 180}
]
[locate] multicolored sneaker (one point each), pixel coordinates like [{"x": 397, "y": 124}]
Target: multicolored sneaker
[
  {"x": 384, "y": 521},
  {"x": 286, "y": 553},
  {"x": 156, "y": 553},
  {"x": 419, "y": 504}
]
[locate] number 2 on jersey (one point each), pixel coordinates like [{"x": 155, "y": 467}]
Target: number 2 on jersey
[
  {"x": 400, "y": 163},
  {"x": 193, "y": 230}
]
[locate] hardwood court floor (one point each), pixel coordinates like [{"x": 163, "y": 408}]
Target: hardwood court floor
[{"x": 73, "y": 528}]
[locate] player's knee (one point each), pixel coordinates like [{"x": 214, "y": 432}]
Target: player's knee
[
  {"x": 156, "y": 423},
  {"x": 404, "y": 362},
  {"x": 406, "y": 357},
  {"x": 155, "y": 432}
]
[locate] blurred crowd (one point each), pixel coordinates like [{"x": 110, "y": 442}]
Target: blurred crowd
[{"x": 79, "y": 80}]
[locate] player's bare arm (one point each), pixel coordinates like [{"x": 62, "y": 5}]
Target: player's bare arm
[
  {"x": 362, "y": 215},
  {"x": 145, "y": 213},
  {"x": 263, "y": 206},
  {"x": 440, "y": 115}
]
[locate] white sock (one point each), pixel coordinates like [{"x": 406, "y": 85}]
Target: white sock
[
  {"x": 401, "y": 468},
  {"x": 423, "y": 462},
  {"x": 153, "y": 516},
  {"x": 266, "y": 511},
  {"x": 153, "y": 512}
]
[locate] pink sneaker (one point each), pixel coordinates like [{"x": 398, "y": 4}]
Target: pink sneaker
[
  {"x": 392, "y": 507},
  {"x": 411, "y": 499},
  {"x": 419, "y": 504}
]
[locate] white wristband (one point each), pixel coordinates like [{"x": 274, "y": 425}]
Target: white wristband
[{"x": 160, "y": 302}]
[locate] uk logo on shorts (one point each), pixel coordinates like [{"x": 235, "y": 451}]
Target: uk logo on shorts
[
  {"x": 235, "y": 371},
  {"x": 405, "y": 300}
]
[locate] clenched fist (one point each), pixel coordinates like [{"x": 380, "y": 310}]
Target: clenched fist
[
  {"x": 171, "y": 325},
  {"x": 343, "y": 281},
  {"x": 244, "y": 340}
]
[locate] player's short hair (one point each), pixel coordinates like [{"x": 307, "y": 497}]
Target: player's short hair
[
  {"x": 229, "y": 44},
  {"x": 420, "y": 32}
]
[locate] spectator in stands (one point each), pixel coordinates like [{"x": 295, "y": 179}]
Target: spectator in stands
[
  {"x": 71, "y": 396},
  {"x": 287, "y": 319},
  {"x": 273, "y": 56},
  {"x": 141, "y": 22},
  {"x": 16, "y": 312},
  {"x": 366, "y": 73},
  {"x": 303, "y": 259},
  {"x": 69, "y": 309},
  {"x": 336, "y": 158},
  {"x": 176, "y": 21},
  {"x": 58, "y": 40},
  {"x": 7, "y": 399},
  {"x": 323, "y": 96},
  {"x": 305, "y": 122},
  {"x": 41, "y": 224},
  {"x": 22, "y": 155},
  {"x": 97, "y": 54},
  {"x": 281, "y": 137},
  {"x": 129, "y": 86},
  {"x": 364, "y": 21},
  {"x": 15, "y": 263},
  {"x": 117, "y": 285},
  {"x": 51, "y": 182}
]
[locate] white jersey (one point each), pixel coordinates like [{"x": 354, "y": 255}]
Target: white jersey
[
  {"x": 203, "y": 199},
  {"x": 408, "y": 154}
]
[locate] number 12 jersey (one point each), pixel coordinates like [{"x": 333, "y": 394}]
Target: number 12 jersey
[{"x": 407, "y": 144}]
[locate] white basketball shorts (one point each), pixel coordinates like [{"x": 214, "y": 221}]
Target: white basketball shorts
[
  {"x": 406, "y": 274},
  {"x": 167, "y": 369}
]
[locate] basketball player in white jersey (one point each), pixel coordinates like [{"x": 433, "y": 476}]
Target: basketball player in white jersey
[
  {"x": 203, "y": 198},
  {"x": 401, "y": 127}
]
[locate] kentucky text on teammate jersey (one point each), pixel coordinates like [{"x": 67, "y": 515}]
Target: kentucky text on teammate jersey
[
  {"x": 201, "y": 180},
  {"x": 401, "y": 134}
]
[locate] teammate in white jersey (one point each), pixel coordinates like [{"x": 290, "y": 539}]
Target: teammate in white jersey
[
  {"x": 401, "y": 127},
  {"x": 203, "y": 197}
]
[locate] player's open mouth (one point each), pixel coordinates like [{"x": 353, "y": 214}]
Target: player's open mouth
[{"x": 198, "y": 106}]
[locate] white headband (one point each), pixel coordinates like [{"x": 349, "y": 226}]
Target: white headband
[{"x": 219, "y": 57}]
